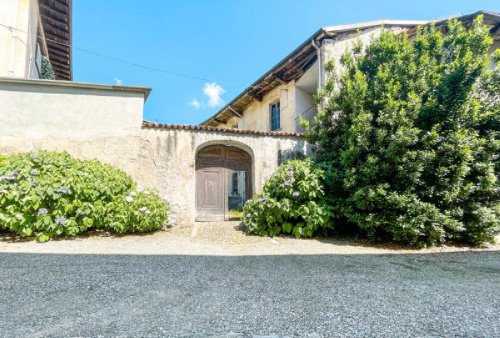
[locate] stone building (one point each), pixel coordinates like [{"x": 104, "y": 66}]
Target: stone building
[
  {"x": 276, "y": 100},
  {"x": 205, "y": 171}
]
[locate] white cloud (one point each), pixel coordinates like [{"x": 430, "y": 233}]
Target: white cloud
[
  {"x": 118, "y": 82},
  {"x": 213, "y": 91},
  {"x": 195, "y": 103}
]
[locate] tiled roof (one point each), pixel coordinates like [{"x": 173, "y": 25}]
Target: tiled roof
[{"x": 148, "y": 124}]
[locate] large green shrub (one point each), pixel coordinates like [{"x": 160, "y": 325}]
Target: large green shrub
[
  {"x": 48, "y": 194},
  {"x": 291, "y": 203},
  {"x": 409, "y": 137}
]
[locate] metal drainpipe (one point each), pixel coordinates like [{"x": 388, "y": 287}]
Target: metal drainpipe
[
  {"x": 13, "y": 44},
  {"x": 320, "y": 68},
  {"x": 235, "y": 112}
]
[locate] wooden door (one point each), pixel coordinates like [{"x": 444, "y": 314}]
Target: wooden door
[
  {"x": 213, "y": 166},
  {"x": 210, "y": 193}
]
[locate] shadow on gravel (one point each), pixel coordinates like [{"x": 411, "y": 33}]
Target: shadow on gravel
[
  {"x": 446, "y": 294},
  {"x": 353, "y": 241}
]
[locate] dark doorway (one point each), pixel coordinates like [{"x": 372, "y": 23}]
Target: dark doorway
[{"x": 223, "y": 182}]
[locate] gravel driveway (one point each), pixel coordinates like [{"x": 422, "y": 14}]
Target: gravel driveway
[{"x": 446, "y": 294}]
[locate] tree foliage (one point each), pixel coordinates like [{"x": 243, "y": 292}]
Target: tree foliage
[
  {"x": 409, "y": 137},
  {"x": 47, "y": 71}
]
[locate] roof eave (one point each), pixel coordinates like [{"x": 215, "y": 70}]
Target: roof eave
[
  {"x": 280, "y": 64},
  {"x": 375, "y": 23}
]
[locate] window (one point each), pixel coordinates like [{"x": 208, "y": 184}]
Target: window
[
  {"x": 275, "y": 116},
  {"x": 235, "y": 184}
]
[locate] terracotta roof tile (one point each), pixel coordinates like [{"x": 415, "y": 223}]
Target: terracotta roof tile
[{"x": 148, "y": 124}]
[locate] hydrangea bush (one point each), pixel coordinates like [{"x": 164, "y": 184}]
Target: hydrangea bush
[
  {"x": 48, "y": 194},
  {"x": 141, "y": 210},
  {"x": 292, "y": 202}
]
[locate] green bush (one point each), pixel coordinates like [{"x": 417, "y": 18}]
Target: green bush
[
  {"x": 291, "y": 203},
  {"x": 48, "y": 194},
  {"x": 410, "y": 137},
  {"x": 47, "y": 71},
  {"x": 139, "y": 211}
]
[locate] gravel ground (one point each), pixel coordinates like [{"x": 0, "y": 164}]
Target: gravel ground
[
  {"x": 213, "y": 239},
  {"x": 405, "y": 295}
]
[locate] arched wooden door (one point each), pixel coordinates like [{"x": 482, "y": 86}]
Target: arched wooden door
[{"x": 223, "y": 182}]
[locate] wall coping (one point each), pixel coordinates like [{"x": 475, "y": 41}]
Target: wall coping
[
  {"x": 77, "y": 85},
  {"x": 152, "y": 125}
]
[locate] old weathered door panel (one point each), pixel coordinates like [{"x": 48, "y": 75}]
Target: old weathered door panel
[
  {"x": 213, "y": 167},
  {"x": 210, "y": 194}
]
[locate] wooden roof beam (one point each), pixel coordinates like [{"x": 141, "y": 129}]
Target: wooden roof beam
[
  {"x": 255, "y": 95},
  {"x": 279, "y": 77}
]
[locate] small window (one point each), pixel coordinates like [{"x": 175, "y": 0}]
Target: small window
[
  {"x": 275, "y": 116},
  {"x": 235, "y": 184}
]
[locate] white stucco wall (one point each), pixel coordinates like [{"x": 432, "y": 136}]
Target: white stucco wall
[
  {"x": 18, "y": 45},
  {"x": 104, "y": 122},
  {"x": 304, "y": 106},
  {"x": 40, "y": 108}
]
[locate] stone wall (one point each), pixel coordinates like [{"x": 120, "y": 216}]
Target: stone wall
[{"x": 103, "y": 122}]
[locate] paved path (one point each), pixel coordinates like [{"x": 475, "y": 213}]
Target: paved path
[{"x": 66, "y": 295}]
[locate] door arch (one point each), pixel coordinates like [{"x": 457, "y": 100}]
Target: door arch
[{"x": 223, "y": 181}]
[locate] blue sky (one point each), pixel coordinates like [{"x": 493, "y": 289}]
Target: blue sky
[{"x": 206, "y": 52}]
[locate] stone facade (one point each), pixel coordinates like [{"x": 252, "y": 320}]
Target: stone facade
[{"x": 105, "y": 123}]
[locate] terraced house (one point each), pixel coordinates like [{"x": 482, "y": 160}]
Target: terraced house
[{"x": 207, "y": 171}]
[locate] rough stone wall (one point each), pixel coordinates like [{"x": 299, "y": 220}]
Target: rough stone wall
[
  {"x": 170, "y": 157},
  {"x": 165, "y": 159}
]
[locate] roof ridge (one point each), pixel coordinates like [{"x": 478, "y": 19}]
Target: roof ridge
[{"x": 362, "y": 24}]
